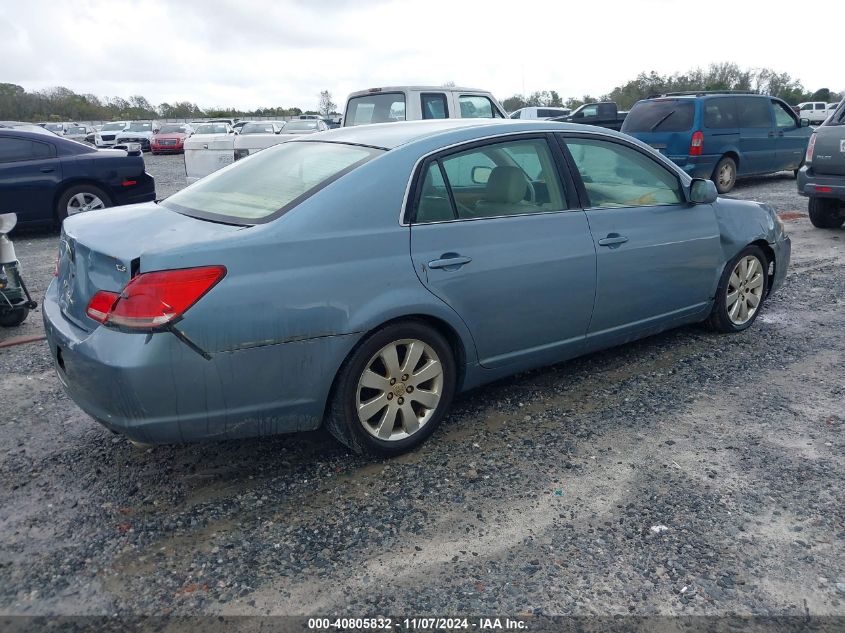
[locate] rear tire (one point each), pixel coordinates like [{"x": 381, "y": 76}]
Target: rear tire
[
  {"x": 14, "y": 318},
  {"x": 741, "y": 292},
  {"x": 393, "y": 390},
  {"x": 724, "y": 175},
  {"x": 78, "y": 198},
  {"x": 826, "y": 213}
]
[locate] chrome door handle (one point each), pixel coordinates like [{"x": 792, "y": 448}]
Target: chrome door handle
[
  {"x": 449, "y": 261},
  {"x": 612, "y": 240}
]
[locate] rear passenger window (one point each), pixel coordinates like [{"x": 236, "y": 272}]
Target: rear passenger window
[
  {"x": 15, "y": 149},
  {"x": 434, "y": 105},
  {"x": 476, "y": 107},
  {"x": 720, "y": 113},
  {"x": 615, "y": 175},
  {"x": 754, "y": 112},
  {"x": 820, "y": 106},
  {"x": 511, "y": 178}
]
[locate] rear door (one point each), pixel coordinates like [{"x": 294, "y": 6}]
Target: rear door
[
  {"x": 495, "y": 234},
  {"x": 757, "y": 136},
  {"x": 791, "y": 137},
  {"x": 29, "y": 175},
  {"x": 657, "y": 256}
]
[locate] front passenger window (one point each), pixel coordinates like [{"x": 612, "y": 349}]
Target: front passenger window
[{"x": 616, "y": 175}]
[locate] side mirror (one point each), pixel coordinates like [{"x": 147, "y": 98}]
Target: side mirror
[
  {"x": 703, "y": 191},
  {"x": 804, "y": 122},
  {"x": 481, "y": 174}
]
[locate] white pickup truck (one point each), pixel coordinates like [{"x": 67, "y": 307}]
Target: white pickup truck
[
  {"x": 413, "y": 103},
  {"x": 816, "y": 111}
]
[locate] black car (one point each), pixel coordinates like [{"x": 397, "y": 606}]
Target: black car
[{"x": 44, "y": 177}]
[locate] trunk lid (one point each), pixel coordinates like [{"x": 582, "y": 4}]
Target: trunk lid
[
  {"x": 829, "y": 152},
  {"x": 102, "y": 250}
]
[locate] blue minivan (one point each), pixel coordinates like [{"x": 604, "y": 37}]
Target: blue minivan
[{"x": 721, "y": 135}]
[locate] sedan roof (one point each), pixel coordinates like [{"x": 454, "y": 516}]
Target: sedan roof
[{"x": 392, "y": 135}]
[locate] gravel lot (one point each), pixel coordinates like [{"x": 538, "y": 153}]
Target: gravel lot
[{"x": 541, "y": 494}]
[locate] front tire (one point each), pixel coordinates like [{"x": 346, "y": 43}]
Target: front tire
[
  {"x": 825, "y": 213},
  {"x": 741, "y": 291},
  {"x": 393, "y": 390},
  {"x": 79, "y": 199},
  {"x": 724, "y": 175}
]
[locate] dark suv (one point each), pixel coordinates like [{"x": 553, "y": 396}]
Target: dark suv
[
  {"x": 822, "y": 178},
  {"x": 720, "y": 135}
]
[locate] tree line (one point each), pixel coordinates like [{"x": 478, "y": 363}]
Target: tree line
[
  {"x": 62, "y": 104},
  {"x": 724, "y": 76}
]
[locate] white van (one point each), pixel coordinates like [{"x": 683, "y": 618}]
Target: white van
[
  {"x": 539, "y": 112},
  {"x": 413, "y": 103}
]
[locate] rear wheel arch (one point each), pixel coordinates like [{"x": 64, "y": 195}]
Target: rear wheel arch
[
  {"x": 335, "y": 416},
  {"x": 62, "y": 189}
]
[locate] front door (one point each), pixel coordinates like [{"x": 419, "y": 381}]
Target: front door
[
  {"x": 494, "y": 236},
  {"x": 792, "y": 138},
  {"x": 658, "y": 256}
]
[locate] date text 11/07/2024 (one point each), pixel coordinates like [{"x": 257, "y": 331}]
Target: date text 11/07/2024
[{"x": 417, "y": 624}]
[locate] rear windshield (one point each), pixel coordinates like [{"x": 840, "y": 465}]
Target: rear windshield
[
  {"x": 139, "y": 127},
  {"x": 258, "y": 128},
  {"x": 660, "y": 115},
  {"x": 267, "y": 184},
  {"x": 301, "y": 126},
  {"x": 375, "y": 108},
  {"x": 216, "y": 128}
]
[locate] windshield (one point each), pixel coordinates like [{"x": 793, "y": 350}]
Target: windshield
[
  {"x": 660, "y": 115},
  {"x": 375, "y": 108},
  {"x": 76, "y": 130},
  {"x": 269, "y": 183},
  {"x": 258, "y": 128},
  {"x": 213, "y": 128},
  {"x": 140, "y": 127},
  {"x": 53, "y": 126},
  {"x": 112, "y": 127},
  {"x": 173, "y": 129}
]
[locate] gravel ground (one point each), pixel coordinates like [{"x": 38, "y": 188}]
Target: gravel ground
[{"x": 689, "y": 473}]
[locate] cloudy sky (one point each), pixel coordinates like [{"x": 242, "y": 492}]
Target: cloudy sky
[{"x": 251, "y": 53}]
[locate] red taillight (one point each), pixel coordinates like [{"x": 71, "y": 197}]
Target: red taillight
[
  {"x": 823, "y": 189},
  {"x": 100, "y": 305},
  {"x": 154, "y": 299},
  {"x": 129, "y": 183},
  {"x": 697, "y": 143},
  {"x": 810, "y": 147}
]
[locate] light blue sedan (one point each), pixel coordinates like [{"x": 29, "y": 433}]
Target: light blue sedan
[{"x": 363, "y": 276}]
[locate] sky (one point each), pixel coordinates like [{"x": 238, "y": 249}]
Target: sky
[{"x": 258, "y": 53}]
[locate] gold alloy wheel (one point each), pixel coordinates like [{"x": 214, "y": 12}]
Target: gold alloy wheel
[
  {"x": 399, "y": 389},
  {"x": 745, "y": 290}
]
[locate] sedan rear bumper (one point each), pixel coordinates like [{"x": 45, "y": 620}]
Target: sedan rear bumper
[{"x": 158, "y": 389}]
